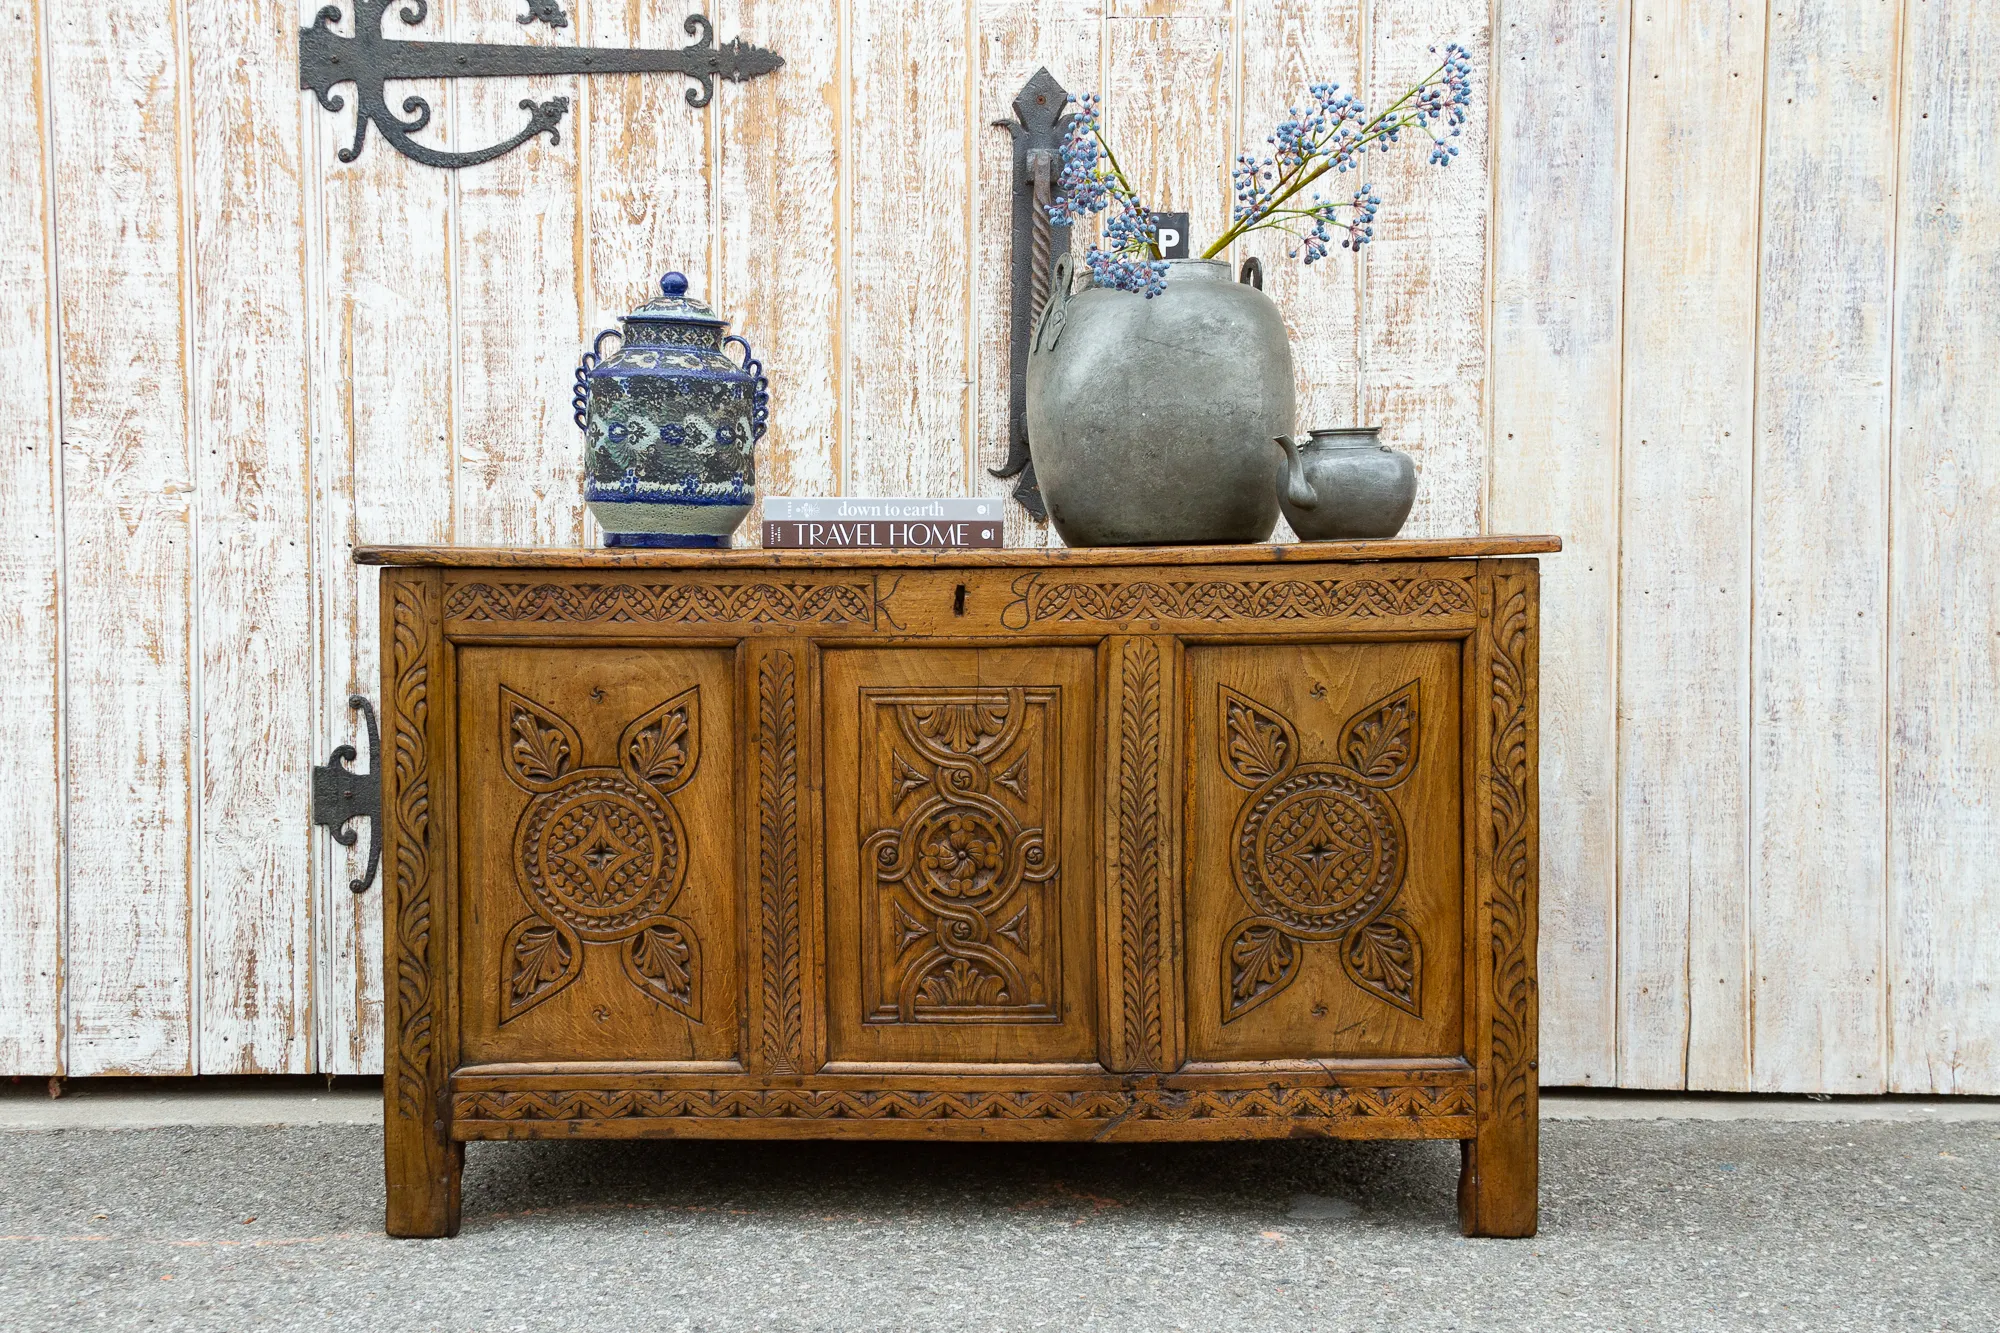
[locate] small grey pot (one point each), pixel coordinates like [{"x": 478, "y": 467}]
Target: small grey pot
[{"x": 1344, "y": 484}]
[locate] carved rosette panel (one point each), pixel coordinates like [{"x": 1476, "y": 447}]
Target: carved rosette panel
[
  {"x": 1320, "y": 851},
  {"x": 1039, "y": 600},
  {"x": 959, "y": 887},
  {"x": 664, "y": 603},
  {"x": 600, "y": 853}
]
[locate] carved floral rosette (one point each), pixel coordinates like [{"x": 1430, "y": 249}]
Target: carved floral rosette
[
  {"x": 600, "y": 853},
  {"x": 1320, "y": 851}
]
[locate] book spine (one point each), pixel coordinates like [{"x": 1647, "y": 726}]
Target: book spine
[
  {"x": 881, "y": 534},
  {"x": 867, "y": 509}
]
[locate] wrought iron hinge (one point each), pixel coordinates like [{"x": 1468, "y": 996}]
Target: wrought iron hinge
[
  {"x": 369, "y": 60},
  {"x": 1039, "y": 124},
  {"x": 341, "y": 795}
]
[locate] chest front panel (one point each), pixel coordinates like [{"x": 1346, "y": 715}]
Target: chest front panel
[
  {"x": 959, "y": 869},
  {"x": 1325, "y": 878},
  {"x": 597, "y": 862}
]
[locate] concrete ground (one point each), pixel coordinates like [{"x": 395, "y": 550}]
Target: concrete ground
[{"x": 1675, "y": 1214}]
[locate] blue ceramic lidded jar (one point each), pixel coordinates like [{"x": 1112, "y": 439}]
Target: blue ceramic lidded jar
[{"x": 669, "y": 423}]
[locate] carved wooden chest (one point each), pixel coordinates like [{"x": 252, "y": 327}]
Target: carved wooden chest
[{"x": 1130, "y": 844}]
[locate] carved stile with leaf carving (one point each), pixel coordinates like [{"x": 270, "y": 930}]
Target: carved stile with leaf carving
[{"x": 1024, "y": 845}]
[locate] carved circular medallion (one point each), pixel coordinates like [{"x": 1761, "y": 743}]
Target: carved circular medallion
[
  {"x": 965, "y": 854},
  {"x": 600, "y": 854},
  {"x": 1319, "y": 851}
]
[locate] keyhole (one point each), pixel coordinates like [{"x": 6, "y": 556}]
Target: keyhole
[{"x": 958, "y": 601}]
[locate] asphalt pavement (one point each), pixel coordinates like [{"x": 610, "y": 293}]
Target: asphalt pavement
[{"x": 1646, "y": 1224}]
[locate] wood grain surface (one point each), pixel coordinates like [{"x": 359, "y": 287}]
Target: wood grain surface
[
  {"x": 1558, "y": 300},
  {"x": 1943, "y": 718},
  {"x": 31, "y": 567},
  {"x": 1685, "y": 540}
]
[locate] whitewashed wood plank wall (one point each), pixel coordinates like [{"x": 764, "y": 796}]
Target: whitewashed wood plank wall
[{"x": 1713, "y": 292}]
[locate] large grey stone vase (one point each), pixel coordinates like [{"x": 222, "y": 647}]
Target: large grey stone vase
[{"x": 1152, "y": 421}]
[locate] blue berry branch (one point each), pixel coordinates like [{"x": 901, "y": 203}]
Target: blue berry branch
[{"x": 1334, "y": 135}]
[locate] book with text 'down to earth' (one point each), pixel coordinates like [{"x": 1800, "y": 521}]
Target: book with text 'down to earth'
[{"x": 881, "y": 522}]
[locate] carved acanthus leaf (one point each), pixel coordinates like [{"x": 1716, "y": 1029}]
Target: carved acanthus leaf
[
  {"x": 662, "y": 746},
  {"x": 1380, "y": 742},
  {"x": 1258, "y": 744},
  {"x": 539, "y": 746},
  {"x": 661, "y": 961},
  {"x": 1261, "y": 961},
  {"x": 1385, "y": 959},
  {"x": 542, "y": 959}
]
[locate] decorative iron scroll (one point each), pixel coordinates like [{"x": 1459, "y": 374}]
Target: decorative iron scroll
[
  {"x": 1037, "y": 128},
  {"x": 369, "y": 60}
]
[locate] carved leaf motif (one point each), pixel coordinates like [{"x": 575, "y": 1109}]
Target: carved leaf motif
[
  {"x": 1384, "y": 959},
  {"x": 662, "y": 961},
  {"x": 960, "y": 728},
  {"x": 542, "y": 958},
  {"x": 662, "y": 745},
  {"x": 1261, "y": 961},
  {"x": 1258, "y": 745},
  {"x": 961, "y": 986},
  {"x": 1380, "y": 741},
  {"x": 660, "y": 751},
  {"x": 541, "y": 753}
]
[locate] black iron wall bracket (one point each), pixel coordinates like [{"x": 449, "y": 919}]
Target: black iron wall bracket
[
  {"x": 1038, "y": 126},
  {"x": 340, "y": 795},
  {"x": 369, "y": 60}
]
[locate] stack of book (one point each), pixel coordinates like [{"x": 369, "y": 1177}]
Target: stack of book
[{"x": 881, "y": 522}]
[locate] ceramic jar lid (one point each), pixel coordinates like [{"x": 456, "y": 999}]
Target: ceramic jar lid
[{"x": 674, "y": 306}]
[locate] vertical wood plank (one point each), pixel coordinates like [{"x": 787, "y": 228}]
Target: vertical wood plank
[
  {"x": 1559, "y": 224},
  {"x": 1684, "y": 699},
  {"x": 253, "y": 567},
  {"x": 383, "y": 471},
  {"x": 31, "y": 550},
  {"x": 909, "y": 226},
  {"x": 1169, "y": 113},
  {"x": 1944, "y": 622},
  {"x": 1423, "y": 333},
  {"x": 646, "y": 181},
  {"x": 780, "y": 213},
  {"x": 1287, "y": 46},
  {"x": 1818, "y": 688},
  {"x": 1016, "y": 37},
  {"x": 115, "y": 79},
  {"x": 517, "y": 254}
]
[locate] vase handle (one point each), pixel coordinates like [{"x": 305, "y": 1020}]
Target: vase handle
[
  {"x": 1252, "y": 273},
  {"x": 760, "y": 403},
  {"x": 579, "y": 401},
  {"x": 1048, "y": 328}
]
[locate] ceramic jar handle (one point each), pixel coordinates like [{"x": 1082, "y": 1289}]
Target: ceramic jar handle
[
  {"x": 1252, "y": 273},
  {"x": 580, "y": 400},
  {"x": 760, "y": 405}
]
